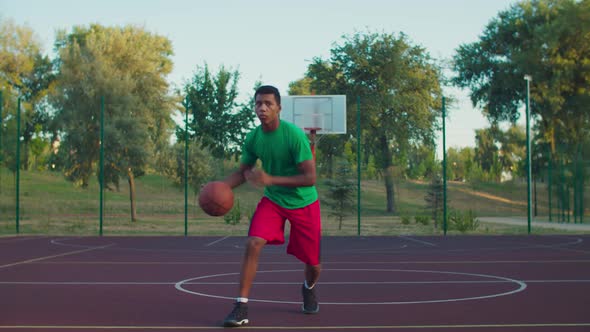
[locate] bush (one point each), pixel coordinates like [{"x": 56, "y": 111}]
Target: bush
[
  {"x": 405, "y": 220},
  {"x": 463, "y": 221},
  {"x": 424, "y": 220},
  {"x": 234, "y": 216}
]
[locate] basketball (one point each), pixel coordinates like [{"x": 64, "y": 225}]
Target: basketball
[{"x": 216, "y": 198}]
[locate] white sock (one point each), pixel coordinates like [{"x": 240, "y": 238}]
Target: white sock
[
  {"x": 242, "y": 299},
  {"x": 306, "y": 285}
]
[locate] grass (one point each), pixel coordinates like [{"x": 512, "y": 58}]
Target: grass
[{"x": 50, "y": 205}]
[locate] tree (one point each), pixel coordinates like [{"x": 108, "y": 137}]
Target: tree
[
  {"x": 219, "y": 123},
  {"x": 200, "y": 166},
  {"x": 455, "y": 166},
  {"x": 434, "y": 199},
  {"x": 26, "y": 73},
  {"x": 400, "y": 95},
  {"x": 512, "y": 148},
  {"x": 18, "y": 50},
  {"x": 341, "y": 192},
  {"x": 421, "y": 162},
  {"x": 486, "y": 149},
  {"x": 127, "y": 67},
  {"x": 301, "y": 87},
  {"x": 547, "y": 39}
]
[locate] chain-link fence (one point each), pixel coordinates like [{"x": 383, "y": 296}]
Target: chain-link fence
[{"x": 54, "y": 184}]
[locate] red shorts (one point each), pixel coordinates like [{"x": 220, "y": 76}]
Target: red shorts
[{"x": 268, "y": 223}]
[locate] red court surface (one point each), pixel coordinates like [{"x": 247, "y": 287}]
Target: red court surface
[{"x": 453, "y": 283}]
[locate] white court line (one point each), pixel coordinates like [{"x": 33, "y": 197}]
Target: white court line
[
  {"x": 59, "y": 243},
  {"x": 577, "y": 261},
  {"x": 19, "y": 239},
  {"x": 418, "y": 241},
  {"x": 296, "y": 328},
  {"x": 528, "y": 246},
  {"x": 216, "y": 241},
  {"x": 53, "y": 256},
  {"x": 269, "y": 283},
  {"x": 521, "y": 287},
  {"x": 379, "y": 250}
]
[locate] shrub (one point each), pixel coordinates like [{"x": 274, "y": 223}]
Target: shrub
[
  {"x": 424, "y": 220},
  {"x": 463, "y": 221},
  {"x": 234, "y": 216},
  {"x": 405, "y": 220},
  {"x": 340, "y": 196}
]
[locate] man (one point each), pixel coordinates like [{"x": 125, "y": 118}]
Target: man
[{"x": 288, "y": 174}]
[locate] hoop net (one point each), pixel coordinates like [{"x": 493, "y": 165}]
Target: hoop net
[{"x": 315, "y": 125}]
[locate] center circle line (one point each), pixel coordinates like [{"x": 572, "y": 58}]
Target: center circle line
[{"x": 521, "y": 287}]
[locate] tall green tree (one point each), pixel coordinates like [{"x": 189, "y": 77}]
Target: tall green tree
[
  {"x": 498, "y": 150},
  {"x": 547, "y": 39},
  {"x": 127, "y": 66},
  {"x": 455, "y": 166},
  {"x": 398, "y": 84},
  {"x": 486, "y": 149},
  {"x": 219, "y": 123},
  {"x": 421, "y": 162},
  {"x": 513, "y": 149},
  {"x": 26, "y": 73}
]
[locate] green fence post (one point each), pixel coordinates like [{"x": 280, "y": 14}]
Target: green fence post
[
  {"x": 549, "y": 180},
  {"x": 444, "y": 134},
  {"x": 583, "y": 180},
  {"x": 581, "y": 184},
  {"x": 563, "y": 190},
  {"x": 1, "y": 153},
  {"x": 186, "y": 108},
  {"x": 1, "y": 107},
  {"x": 18, "y": 167},
  {"x": 101, "y": 166},
  {"x": 358, "y": 162},
  {"x": 576, "y": 185},
  {"x": 528, "y": 79}
]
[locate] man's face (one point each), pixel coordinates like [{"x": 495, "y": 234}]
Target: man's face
[{"x": 267, "y": 110}]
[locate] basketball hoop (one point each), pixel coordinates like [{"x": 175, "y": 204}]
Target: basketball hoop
[
  {"x": 316, "y": 115},
  {"x": 312, "y": 138},
  {"x": 316, "y": 121}
]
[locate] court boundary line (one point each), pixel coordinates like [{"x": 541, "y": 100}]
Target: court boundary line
[
  {"x": 405, "y": 237},
  {"x": 10, "y": 240},
  {"x": 53, "y": 256},
  {"x": 327, "y": 327},
  {"x": 576, "y": 241},
  {"x": 228, "y": 283},
  {"x": 217, "y": 241},
  {"x": 551, "y": 261}
]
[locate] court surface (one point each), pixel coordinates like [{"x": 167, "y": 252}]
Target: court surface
[{"x": 452, "y": 283}]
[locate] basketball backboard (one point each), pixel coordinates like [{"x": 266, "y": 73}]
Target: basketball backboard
[{"x": 325, "y": 114}]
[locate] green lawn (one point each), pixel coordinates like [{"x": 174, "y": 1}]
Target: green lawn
[{"x": 51, "y": 205}]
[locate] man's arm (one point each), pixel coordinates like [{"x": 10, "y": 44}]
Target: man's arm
[
  {"x": 238, "y": 177},
  {"x": 306, "y": 178}
]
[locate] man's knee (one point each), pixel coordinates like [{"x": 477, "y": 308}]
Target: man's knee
[
  {"x": 314, "y": 268},
  {"x": 255, "y": 243}
]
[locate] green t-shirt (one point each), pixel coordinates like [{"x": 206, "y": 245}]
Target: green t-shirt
[{"x": 280, "y": 152}]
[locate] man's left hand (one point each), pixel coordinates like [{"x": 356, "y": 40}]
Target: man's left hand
[{"x": 258, "y": 177}]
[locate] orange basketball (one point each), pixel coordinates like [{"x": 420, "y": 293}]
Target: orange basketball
[{"x": 216, "y": 198}]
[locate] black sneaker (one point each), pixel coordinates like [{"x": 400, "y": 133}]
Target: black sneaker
[
  {"x": 310, "y": 302},
  {"x": 238, "y": 316}
]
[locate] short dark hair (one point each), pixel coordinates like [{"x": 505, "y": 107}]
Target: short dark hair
[{"x": 267, "y": 90}]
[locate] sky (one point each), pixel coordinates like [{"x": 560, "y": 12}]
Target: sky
[{"x": 274, "y": 41}]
